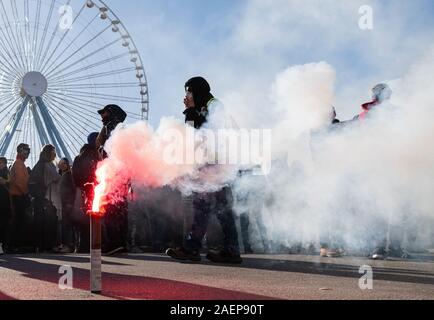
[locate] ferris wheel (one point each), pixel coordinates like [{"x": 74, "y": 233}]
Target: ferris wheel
[{"x": 60, "y": 62}]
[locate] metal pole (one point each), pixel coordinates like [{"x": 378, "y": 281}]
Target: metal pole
[
  {"x": 10, "y": 132},
  {"x": 52, "y": 129},
  {"x": 95, "y": 254}
]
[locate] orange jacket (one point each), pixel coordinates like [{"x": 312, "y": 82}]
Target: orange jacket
[{"x": 19, "y": 179}]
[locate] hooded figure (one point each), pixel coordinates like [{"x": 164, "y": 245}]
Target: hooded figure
[
  {"x": 115, "y": 224},
  {"x": 112, "y": 115},
  {"x": 202, "y": 97},
  {"x": 199, "y": 103}
]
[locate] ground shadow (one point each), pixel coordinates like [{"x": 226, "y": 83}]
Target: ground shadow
[
  {"x": 128, "y": 287},
  {"x": 316, "y": 268},
  {"x": 70, "y": 258}
]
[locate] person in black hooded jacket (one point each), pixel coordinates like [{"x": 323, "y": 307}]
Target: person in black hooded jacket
[
  {"x": 84, "y": 178},
  {"x": 198, "y": 101},
  {"x": 111, "y": 116},
  {"x": 115, "y": 225}
]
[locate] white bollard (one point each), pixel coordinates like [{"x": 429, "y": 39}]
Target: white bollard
[{"x": 95, "y": 254}]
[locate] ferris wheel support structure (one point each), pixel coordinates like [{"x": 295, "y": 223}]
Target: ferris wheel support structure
[{"x": 56, "y": 72}]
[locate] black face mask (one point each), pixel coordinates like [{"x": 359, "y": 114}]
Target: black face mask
[{"x": 107, "y": 120}]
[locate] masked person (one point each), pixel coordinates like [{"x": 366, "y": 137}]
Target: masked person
[
  {"x": 115, "y": 226},
  {"x": 111, "y": 116},
  {"x": 200, "y": 106}
]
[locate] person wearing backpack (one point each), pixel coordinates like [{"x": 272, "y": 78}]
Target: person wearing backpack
[
  {"x": 115, "y": 223},
  {"x": 84, "y": 178},
  {"x": 44, "y": 181}
]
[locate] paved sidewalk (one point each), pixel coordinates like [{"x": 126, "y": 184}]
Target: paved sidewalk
[{"x": 156, "y": 277}]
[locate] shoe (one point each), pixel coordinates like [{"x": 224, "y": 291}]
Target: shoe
[
  {"x": 223, "y": 256},
  {"x": 56, "y": 249},
  {"x": 1, "y": 249},
  {"x": 334, "y": 254},
  {"x": 323, "y": 252},
  {"x": 183, "y": 254},
  {"x": 136, "y": 250},
  {"x": 64, "y": 250},
  {"x": 248, "y": 250},
  {"x": 379, "y": 254}
]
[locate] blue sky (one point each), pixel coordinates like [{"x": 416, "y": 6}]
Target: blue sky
[{"x": 240, "y": 46}]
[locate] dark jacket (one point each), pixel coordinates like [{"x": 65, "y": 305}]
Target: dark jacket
[
  {"x": 84, "y": 167},
  {"x": 67, "y": 189},
  {"x": 196, "y": 117},
  {"x": 202, "y": 96}
]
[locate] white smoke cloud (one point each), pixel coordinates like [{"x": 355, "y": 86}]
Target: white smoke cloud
[
  {"x": 350, "y": 185},
  {"x": 345, "y": 184}
]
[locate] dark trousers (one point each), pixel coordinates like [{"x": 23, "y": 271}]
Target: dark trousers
[
  {"x": 81, "y": 222},
  {"x": 83, "y": 235},
  {"x": 218, "y": 203},
  {"x": 39, "y": 223},
  {"x": 69, "y": 232},
  {"x": 20, "y": 204},
  {"x": 115, "y": 226},
  {"x": 4, "y": 225},
  {"x": 5, "y": 214},
  {"x": 46, "y": 225},
  {"x": 245, "y": 225}
]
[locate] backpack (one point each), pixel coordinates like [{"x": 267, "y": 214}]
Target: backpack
[
  {"x": 83, "y": 170},
  {"x": 37, "y": 187}
]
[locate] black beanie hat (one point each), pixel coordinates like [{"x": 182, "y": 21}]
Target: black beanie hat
[{"x": 201, "y": 91}]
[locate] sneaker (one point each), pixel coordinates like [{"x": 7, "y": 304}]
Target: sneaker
[
  {"x": 248, "y": 250},
  {"x": 323, "y": 252},
  {"x": 183, "y": 254},
  {"x": 379, "y": 254},
  {"x": 64, "y": 250},
  {"x": 331, "y": 253},
  {"x": 223, "y": 256},
  {"x": 335, "y": 253}
]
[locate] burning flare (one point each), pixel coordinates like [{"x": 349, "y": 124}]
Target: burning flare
[{"x": 100, "y": 192}]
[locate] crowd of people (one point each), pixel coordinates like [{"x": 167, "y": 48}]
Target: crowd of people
[{"x": 43, "y": 209}]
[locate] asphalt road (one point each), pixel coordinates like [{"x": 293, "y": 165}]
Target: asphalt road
[{"x": 156, "y": 277}]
